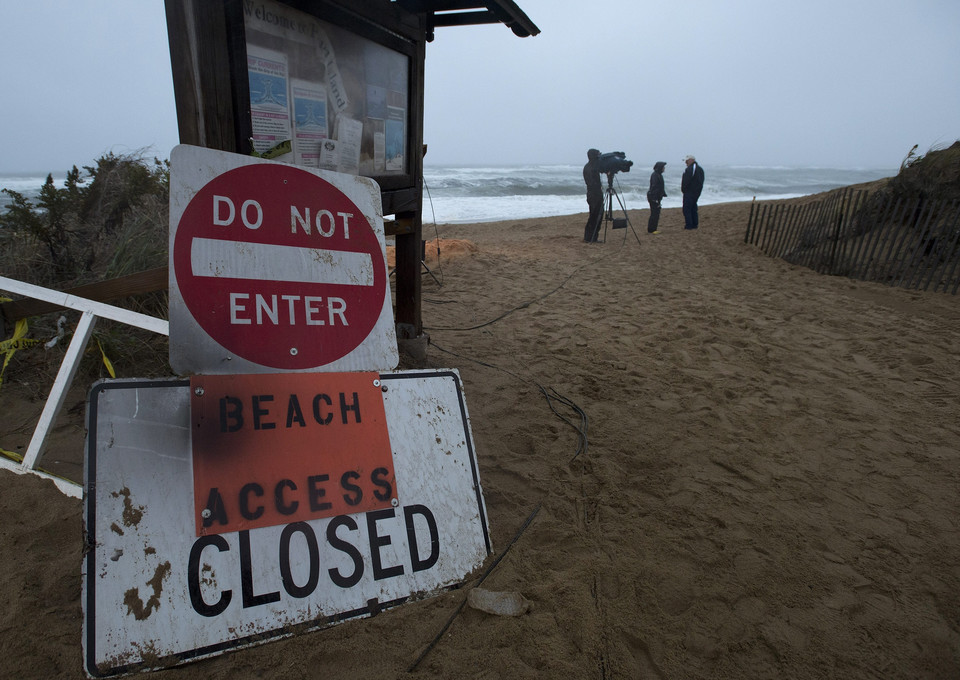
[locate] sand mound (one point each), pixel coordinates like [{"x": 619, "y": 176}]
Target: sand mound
[
  {"x": 769, "y": 488},
  {"x": 933, "y": 175},
  {"x": 446, "y": 249}
]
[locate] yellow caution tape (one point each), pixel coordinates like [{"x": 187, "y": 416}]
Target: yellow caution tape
[
  {"x": 106, "y": 361},
  {"x": 18, "y": 341},
  {"x": 12, "y": 455},
  {"x": 8, "y": 347}
]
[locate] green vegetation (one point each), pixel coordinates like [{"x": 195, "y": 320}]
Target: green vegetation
[
  {"x": 934, "y": 175},
  {"x": 109, "y": 220}
]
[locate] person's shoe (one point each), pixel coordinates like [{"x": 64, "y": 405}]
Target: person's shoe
[{"x": 655, "y": 232}]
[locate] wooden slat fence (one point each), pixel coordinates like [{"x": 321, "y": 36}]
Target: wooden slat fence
[{"x": 909, "y": 243}]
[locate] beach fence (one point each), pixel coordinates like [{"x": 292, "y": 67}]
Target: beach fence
[{"x": 907, "y": 242}]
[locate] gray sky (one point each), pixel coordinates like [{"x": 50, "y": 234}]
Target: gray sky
[{"x": 842, "y": 83}]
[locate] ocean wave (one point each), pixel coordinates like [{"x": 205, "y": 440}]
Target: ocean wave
[{"x": 492, "y": 193}]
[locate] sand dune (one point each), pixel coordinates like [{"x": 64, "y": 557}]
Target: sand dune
[{"x": 769, "y": 487}]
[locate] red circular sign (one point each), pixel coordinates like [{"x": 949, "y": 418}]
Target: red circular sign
[{"x": 279, "y": 266}]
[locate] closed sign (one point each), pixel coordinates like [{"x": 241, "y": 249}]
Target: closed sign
[{"x": 159, "y": 590}]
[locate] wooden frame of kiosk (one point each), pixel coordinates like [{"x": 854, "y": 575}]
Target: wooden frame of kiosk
[{"x": 333, "y": 84}]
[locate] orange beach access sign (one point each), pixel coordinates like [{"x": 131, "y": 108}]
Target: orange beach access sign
[{"x": 279, "y": 448}]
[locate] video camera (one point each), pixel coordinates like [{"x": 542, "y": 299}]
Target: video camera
[{"x": 613, "y": 162}]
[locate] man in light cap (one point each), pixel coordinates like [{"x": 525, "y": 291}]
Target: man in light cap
[
  {"x": 691, "y": 184},
  {"x": 591, "y": 176}
]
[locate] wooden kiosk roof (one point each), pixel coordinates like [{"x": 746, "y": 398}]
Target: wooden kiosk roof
[{"x": 472, "y": 12}]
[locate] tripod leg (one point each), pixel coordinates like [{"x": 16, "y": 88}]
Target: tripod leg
[
  {"x": 432, "y": 275},
  {"x": 627, "y": 218},
  {"x": 607, "y": 213}
]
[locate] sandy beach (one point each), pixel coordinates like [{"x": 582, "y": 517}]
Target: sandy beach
[{"x": 768, "y": 488}]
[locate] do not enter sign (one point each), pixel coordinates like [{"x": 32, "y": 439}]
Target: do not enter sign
[{"x": 275, "y": 268}]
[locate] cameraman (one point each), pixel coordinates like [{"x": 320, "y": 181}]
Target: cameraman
[{"x": 591, "y": 176}]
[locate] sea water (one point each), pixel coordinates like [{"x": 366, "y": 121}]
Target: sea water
[
  {"x": 465, "y": 194},
  {"x": 457, "y": 194}
]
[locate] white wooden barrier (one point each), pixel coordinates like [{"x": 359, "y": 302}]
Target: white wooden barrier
[{"x": 90, "y": 310}]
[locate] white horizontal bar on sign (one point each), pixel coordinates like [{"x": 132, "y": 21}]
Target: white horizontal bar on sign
[{"x": 267, "y": 262}]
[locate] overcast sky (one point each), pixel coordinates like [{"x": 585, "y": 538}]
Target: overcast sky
[{"x": 840, "y": 83}]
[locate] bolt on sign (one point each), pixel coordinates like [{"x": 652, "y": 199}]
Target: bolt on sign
[
  {"x": 161, "y": 588},
  {"x": 275, "y": 268}
]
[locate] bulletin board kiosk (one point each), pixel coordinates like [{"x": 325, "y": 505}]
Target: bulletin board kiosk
[
  {"x": 329, "y": 84},
  {"x": 295, "y": 480}
]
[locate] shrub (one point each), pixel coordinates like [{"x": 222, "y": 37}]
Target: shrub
[
  {"x": 112, "y": 221},
  {"x": 109, "y": 221}
]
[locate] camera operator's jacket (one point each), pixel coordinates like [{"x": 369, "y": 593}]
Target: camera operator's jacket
[
  {"x": 656, "y": 192},
  {"x": 591, "y": 176}
]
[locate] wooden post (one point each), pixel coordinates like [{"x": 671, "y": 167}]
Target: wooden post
[
  {"x": 791, "y": 244},
  {"x": 746, "y": 236},
  {"x": 896, "y": 237},
  {"x": 886, "y": 225},
  {"x": 951, "y": 248},
  {"x": 865, "y": 233},
  {"x": 103, "y": 291},
  {"x": 759, "y": 225},
  {"x": 850, "y": 200},
  {"x": 769, "y": 227},
  {"x": 788, "y": 219},
  {"x": 920, "y": 236},
  {"x": 810, "y": 257},
  {"x": 790, "y": 238},
  {"x": 409, "y": 325},
  {"x": 907, "y": 231}
]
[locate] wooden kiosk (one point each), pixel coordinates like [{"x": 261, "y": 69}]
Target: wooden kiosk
[{"x": 334, "y": 84}]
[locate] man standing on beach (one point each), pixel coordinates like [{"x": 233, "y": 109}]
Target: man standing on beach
[
  {"x": 655, "y": 194},
  {"x": 691, "y": 184},
  {"x": 591, "y": 175}
]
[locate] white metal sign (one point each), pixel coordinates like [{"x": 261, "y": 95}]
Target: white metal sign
[
  {"x": 157, "y": 594},
  {"x": 275, "y": 268}
]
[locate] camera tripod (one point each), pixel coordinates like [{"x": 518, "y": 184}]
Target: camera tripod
[{"x": 608, "y": 212}]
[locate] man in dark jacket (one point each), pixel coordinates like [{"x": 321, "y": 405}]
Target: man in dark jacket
[
  {"x": 655, "y": 194},
  {"x": 591, "y": 176},
  {"x": 691, "y": 184}
]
